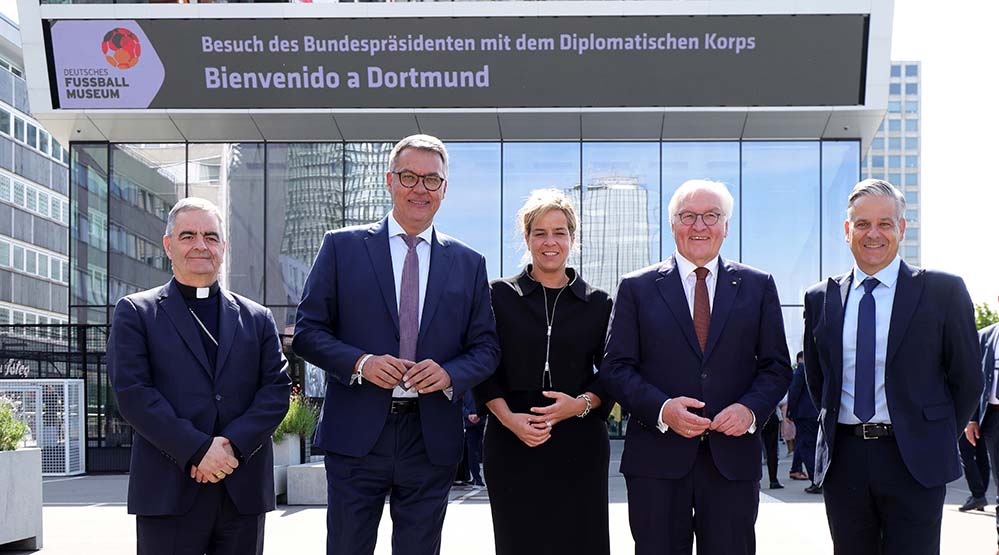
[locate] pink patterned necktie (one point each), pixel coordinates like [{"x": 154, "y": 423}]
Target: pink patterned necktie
[
  {"x": 702, "y": 307},
  {"x": 409, "y": 300}
]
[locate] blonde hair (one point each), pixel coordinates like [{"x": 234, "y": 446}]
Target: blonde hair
[{"x": 539, "y": 202}]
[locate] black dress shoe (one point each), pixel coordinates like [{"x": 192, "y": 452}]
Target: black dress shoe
[
  {"x": 776, "y": 485},
  {"x": 813, "y": 489},
  {"x": 973, "y": 504}
]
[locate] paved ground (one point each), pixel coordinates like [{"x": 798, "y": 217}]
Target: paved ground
[{"x": 86, "y": 515}]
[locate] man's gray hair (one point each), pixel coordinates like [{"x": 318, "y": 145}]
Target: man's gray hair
[
  {"x": 877, "y": 188},
  {"x": 419, "y": 142},
  {"x": 193, "y": 203},
  {"x": 690, "y": 187}
]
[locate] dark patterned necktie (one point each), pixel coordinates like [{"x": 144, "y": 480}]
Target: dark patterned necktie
[
  {"x": 863, "y": 387},
  {"x": 409, "y": 301},
  {"x": 702, "y": 307}
]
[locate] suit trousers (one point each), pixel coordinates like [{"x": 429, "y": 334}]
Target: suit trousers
[
  {"x": 874, "y": 505},
  {"x": 396, "y": 467},
  {"x": 665, "y": 515},
  {"x": 990, "y": 437},
  {"x": 770, "y": 433},
  {"x": 804, "y": 443},
  {"x": 213, "y": 526},
  {"x": 975, "y": 461},
  {"x": 473, "y": 445}
]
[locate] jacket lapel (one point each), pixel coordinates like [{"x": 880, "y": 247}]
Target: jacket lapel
[
  {"x": 176, "y": 310},
  {"x": 837, "y": 290},
  {"x": 228, "y": 322},
  {"x": 437, "y": 280},
  {"x": 377, "y": 243},
  {"x": 671, "y": 288},
  {"x": 909, "y": 289},
  {"x": 726, "y": 287}
]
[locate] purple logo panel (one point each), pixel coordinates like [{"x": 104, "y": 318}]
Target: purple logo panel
[{"x": 105, "y": 64}]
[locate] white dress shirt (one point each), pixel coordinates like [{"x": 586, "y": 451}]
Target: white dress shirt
[
  {"x": 884, "y": 299},
  {"x": 397, "y": 245}
]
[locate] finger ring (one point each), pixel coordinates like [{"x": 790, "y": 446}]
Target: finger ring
[
  {"x": 220, "y": 474},
  {"x": 548, "y": 423}
]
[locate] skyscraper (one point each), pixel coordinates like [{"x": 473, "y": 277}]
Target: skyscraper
[{"x": 895, "y": 156}]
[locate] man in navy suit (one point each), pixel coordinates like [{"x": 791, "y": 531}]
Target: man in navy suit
[
  {"x": 801, "y": 411},
  {"x": 398, "y": 315},
  {"x": 892, "y": 363},
  {"x": 983, "y": 429},
  {"x": 199, "y": 374},
  {"x": 696, "y": 352}
]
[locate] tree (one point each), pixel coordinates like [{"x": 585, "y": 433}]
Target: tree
[{"x": 984, "y": 315}]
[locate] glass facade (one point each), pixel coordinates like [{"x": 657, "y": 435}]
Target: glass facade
[{"x": 280, "y": 198}]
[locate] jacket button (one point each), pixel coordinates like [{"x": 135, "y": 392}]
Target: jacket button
[
  {"x": 218, "y": 397},
  {"x": 704, "y": 376}
]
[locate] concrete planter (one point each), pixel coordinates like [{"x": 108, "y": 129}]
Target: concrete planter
[
  {"x": 21, "y": 498},
  {"x": 287, "y": 452}
]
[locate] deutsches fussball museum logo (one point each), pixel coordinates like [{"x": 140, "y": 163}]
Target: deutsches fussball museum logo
[{"x": 121, "y": 48}]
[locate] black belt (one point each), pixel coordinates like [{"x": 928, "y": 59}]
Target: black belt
[
  {"x": 402, "y": 406},
  {"x": 868, "y": 431}
]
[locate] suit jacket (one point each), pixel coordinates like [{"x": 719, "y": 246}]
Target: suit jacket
[
  {"x": 652, "y": 354},
  {"x": 933, "y": 380},
  {"x": 988, "y": 338},
  {"x": 799, "y": 404},
  {"x": 166, "y": 390},
  {"x": 349, "y": 308}
]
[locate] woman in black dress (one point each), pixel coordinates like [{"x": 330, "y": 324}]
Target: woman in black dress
[{"x": 546, "y": 449}]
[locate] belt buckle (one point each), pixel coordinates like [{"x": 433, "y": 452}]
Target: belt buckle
[{"x": 865, "y": 427}]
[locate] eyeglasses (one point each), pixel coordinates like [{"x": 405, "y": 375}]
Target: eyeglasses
[
  {"x": 430, "y": 182},
  {"x": 689, "y": 218}
]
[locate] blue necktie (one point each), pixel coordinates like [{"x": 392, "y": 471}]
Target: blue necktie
[{"x": 863, "y": 393}]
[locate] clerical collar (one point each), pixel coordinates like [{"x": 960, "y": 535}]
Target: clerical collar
[{"x": 197, "y": 292}]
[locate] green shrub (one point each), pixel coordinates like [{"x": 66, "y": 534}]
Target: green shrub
[
  {"x": 12, "y": 430},
  {"x": 300, "y": 420}
]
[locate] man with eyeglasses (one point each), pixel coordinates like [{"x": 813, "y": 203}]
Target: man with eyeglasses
[
  {"x": 398, "y": 315},
  {"x": 696, "y": 352}
]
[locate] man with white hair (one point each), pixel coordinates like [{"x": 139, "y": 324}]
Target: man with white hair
[
  {"x": 892, "y": 363},
  {"x": 696, "y": 352}
]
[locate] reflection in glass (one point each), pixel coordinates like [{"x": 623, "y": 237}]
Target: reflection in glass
[
  {"x": 716, "y": 161},
  {"x": 530, "y": 166},
  {"x": 620, "y": 212},
  {"x": 780, "y": 190},
  {"x": 470, "y": 210},
  {"x": 89, "y": 263},
  {"x": 304, "y": 200},
  {"x": 366, "y": 196},
  {"x": 794, "y": 329},
  {"x": 840, "y": 173},
  {"x": 231, "y": 175},
  {"x": 146, "y": 182}
]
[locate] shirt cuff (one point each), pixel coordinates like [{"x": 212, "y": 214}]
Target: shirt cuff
[
  {"x": 358, "y": 378},
  {"x": 449, "y": 392},
  {"x": 660, "y": 424},
  {"x": 752, "y": 427}
]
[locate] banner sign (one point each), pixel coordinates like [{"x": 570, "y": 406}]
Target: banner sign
[{"x": 466, "y": 62}]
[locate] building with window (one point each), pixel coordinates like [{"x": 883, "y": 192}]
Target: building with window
[
  {"x": 895, "y": 151},
  {"x": 615, "y": 102},
  {"x": 34, "y": 202}
]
